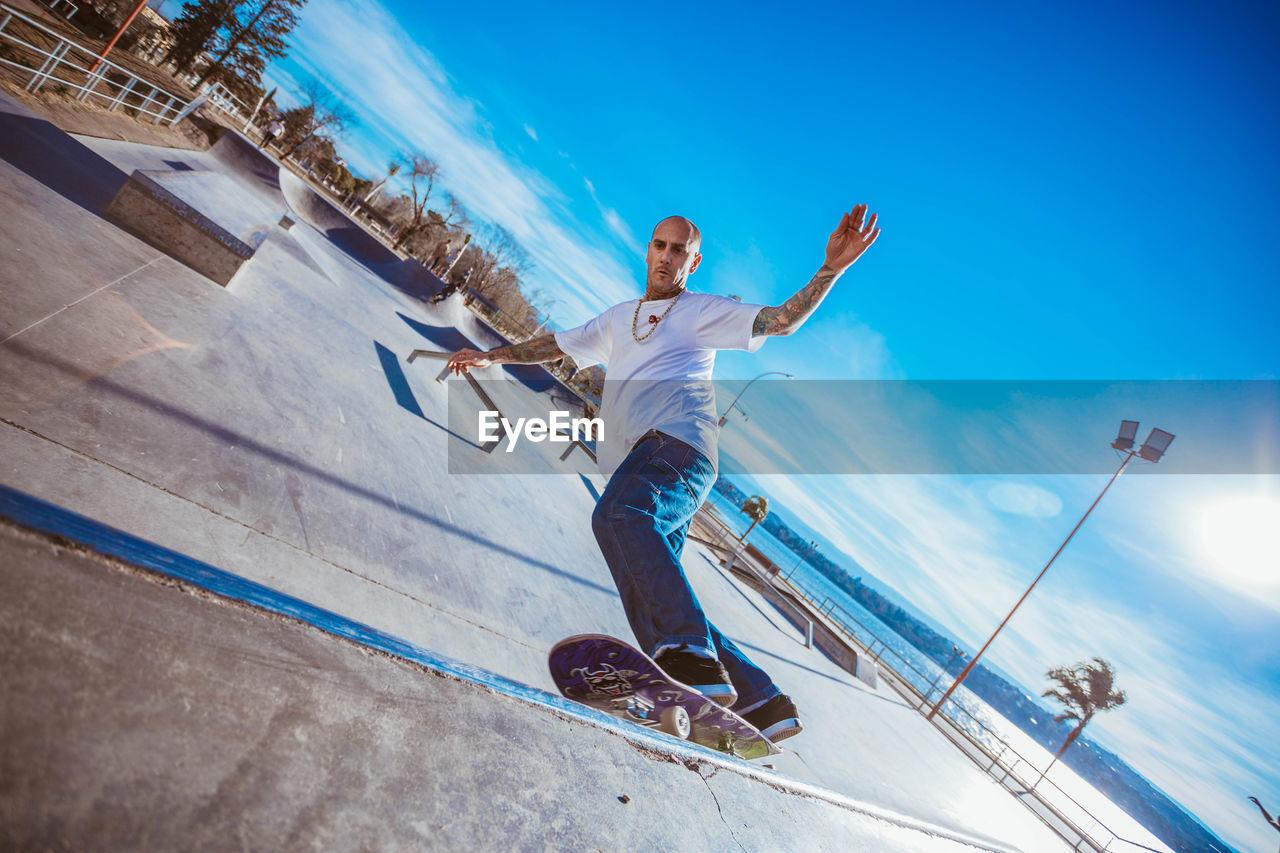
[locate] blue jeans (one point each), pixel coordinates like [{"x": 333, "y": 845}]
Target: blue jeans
[{"x": 641, "y": 522}]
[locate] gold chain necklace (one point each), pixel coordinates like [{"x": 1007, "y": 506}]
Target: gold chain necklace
[{"x": 635, "y": 319}]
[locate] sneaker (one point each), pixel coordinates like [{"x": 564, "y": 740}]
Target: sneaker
[
  {"x": 705, "y": 675},
  {"x": 776, "y": 718}
]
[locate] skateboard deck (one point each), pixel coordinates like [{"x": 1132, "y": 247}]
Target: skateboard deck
[{"x": 612, "y": 676}]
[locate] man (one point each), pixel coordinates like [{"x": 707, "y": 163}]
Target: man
[
  {"x": 659, "y": 451},
  {"x": 452, "y": 287},
  {"x": 275, "y": 127},
  {"x": 437, "y": 255}
]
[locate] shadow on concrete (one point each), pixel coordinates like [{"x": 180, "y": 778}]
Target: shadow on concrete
[
  {"x": 309, "y": 206},
  {"x": 404, "y": 394},
  {"x": 229, "y": 437},
  {"x": 243, "y": 158},
  {"x": 535, "y": 377},
  {"x": 410, "y": 277},
  {"x": 447, "y": 338},
  {"x": 56, "y": 160},
  {"x": 756, "y": 650},
  {"x": 398, "y": 381},
  {"x": 591, "y": 487}
]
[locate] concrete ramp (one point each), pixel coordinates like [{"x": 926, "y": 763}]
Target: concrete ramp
[
  {"x": 257, "y": 171},
  {"x": 411, "y": 277},
  {"x": 169, "y": 705},
  {"x": 339, "y": 228}
]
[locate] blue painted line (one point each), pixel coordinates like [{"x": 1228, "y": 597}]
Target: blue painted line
[
  {"x": 37, "y": 514},
  {"x": 31, "y": 512}
]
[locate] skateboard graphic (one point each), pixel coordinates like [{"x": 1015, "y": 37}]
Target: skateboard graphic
[{"x": 612, "y": 676}]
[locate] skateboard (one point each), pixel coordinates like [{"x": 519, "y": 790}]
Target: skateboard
[{"x": 612, "y": 676}]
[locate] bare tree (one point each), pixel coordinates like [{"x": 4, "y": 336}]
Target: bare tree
[
  {"x": 422, "y": 177},
  {"x": 498, "y": 250}
]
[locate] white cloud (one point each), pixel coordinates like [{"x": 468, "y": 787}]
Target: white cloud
[
  {"x": 1024, "y": 499},
  {"x": 533, "y": 134}
]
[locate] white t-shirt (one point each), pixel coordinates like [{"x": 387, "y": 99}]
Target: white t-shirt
[{"x": 664, "y": 381}]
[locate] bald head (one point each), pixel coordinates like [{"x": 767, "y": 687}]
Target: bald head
[
  {"x": 695, "y": 238},
  {"x": 671, "y": 257}
]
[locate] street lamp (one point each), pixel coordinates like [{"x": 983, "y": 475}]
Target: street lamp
[
  {"x": 813, "y": 547},
  {"x": 1152, "y": 449},
  {"x": 744, "y": 390},
  {"x": 955, "y": 653}
]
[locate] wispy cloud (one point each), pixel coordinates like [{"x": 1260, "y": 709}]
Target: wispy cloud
[
  {"x": 533, "y": 134},
  {"x": 405, "y": 99},
  {"x": 617, "y": 225}
]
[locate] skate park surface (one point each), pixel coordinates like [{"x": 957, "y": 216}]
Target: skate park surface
[{"x": 250, "y": 599}]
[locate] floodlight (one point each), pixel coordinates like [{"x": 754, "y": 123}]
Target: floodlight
[
  {"x": 1155, "y": 445},
  {"x": 1128, "y": 430}
]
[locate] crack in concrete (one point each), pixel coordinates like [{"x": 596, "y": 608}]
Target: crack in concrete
[{"x": 706, "y": 780}]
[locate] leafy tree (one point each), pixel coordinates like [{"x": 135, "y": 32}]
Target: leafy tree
[
  {"x": 756, "y": 508},
  {"x": 196, "y": 29},
  {"x": 244, "y": 35},
  {"x": 252, "y": 44},
  {"x": 310, "y": 127},
  {"x": 1084, "y": 690}
]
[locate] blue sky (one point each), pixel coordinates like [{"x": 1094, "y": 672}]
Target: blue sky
[{"x": 1080, "y": 191}]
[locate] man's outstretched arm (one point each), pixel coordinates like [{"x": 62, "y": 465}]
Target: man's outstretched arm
[
  {"x": 845, "y": 245},
  {"x": 534, "y": 351}
]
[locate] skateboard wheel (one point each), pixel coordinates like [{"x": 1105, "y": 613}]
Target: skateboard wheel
[{"x": 675, "y": 721}]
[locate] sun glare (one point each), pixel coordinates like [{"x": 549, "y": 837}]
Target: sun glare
[{"x": 1241, "y": 538}]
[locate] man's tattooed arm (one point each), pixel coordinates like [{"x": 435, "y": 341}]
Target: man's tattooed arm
[
  {"x": 853, "y": 236},
  {"x": 790, "y": 315},
  {"x": 535, "y": 351}
]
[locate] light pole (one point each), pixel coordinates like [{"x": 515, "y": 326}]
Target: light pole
[
  {"x": 955, "y": 653},
  {"x": 744, "y": 390},
  {"x": 1154, "y": 447},
  {"x": 813, "y": 546}
]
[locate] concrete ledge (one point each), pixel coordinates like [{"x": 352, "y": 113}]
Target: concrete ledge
[
  {"x": 140, "y": 710},
  {"x": 150, "y": 205},
  {"x": 824, "y": 639}
]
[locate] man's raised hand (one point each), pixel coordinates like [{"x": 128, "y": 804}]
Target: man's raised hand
[{"x": 850, "y": 239}]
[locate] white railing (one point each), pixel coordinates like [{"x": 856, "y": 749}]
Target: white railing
[{"x": 69, "y": 65}]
